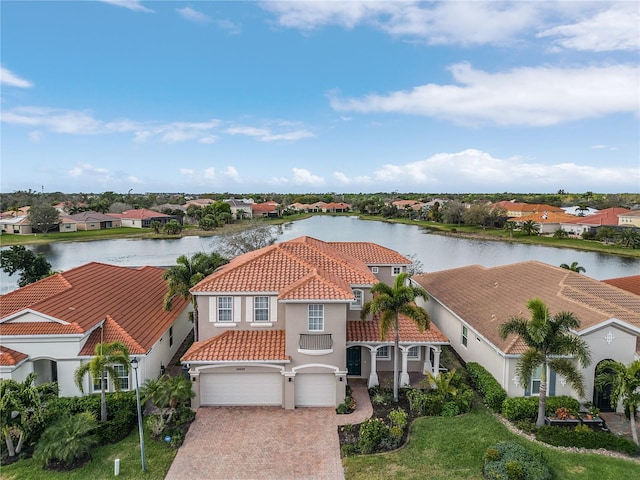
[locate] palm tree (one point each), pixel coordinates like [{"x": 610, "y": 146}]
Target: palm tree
[
  {"x": 167, "y": 393},
  {"x": 186, "y": 274},
  {"x": 629, "y": 238},
  {"x": 68, "y": 440},
  {"x": 574, "y": 267},
  {"x": 510, "y": 225},
  {"x": 389, "y": 302},
  {"x": 21, "y": 405},
  {"x": 102, "y": 366},
  {"x": 550, "y": 341},
  {"x": 530, "y": 227},
  {"x": 625, "y": 383}
]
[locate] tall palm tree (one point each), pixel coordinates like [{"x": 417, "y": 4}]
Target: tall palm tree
[
  {"x": 629, "y": 238},
  {"x": 530, "y": 227},
  {"x": 186, "y": 274},
  {"x": 574, "y": 267},
  {"x": 550, "y": 341},
  {"x": 510, "y": 225},
  {"x": 101, "y": 367},
  {"x": 389, "y": 302},
  {"x": 625, "y": 383}
]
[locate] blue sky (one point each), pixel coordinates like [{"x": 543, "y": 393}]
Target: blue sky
[{"x": 335, "y": 96}]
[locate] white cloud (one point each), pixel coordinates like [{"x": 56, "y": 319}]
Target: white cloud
[
  {"x": 522, "y": 96},
  {"x": 613, "y": 29},
  {"x": 303, "y": 176},
  {"x": 342, "y": 178},
  {"x": 232, "y": 174},
  {"x": 190, "y": 14},
  {"x": 135, "y": 180},
  {"x": 10, "y": 79},
  {"x": 187, "y": 171},
  {"x": 135, "y": 5},
  {"x": 447, "y": 171},
  {"x": 266, "y": 135},
  {"x": 88, "y": 169},
  {"x": 35, "y": 136},
  {"x": 229, "y": 26}
]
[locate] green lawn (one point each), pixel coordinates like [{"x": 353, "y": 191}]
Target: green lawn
[
  {"x": 453, "y": 448},
  {"x": 158, "y": 459}
]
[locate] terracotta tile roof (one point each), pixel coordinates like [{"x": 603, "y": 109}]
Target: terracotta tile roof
[
  {"x": 240, "y": 345},
  {"x": 302, "y": 268},
  {"x": 371, "y": 253},
  {"x": 487, "y": 297},
  {"x": 140, "y": 214},
  {"x": 130, "y": 299},
  {"x": 265, "y": 207},
  {"x": 526, "y": 207},
  {"x": 369, "y": 331},
  {"x": 547, "y": 217},
  {"x": 111, "y": 332},
  {"x": 608, "y": 216},
  {"x": 630, "y": 284},
  {"x": 10, "y": 357}
]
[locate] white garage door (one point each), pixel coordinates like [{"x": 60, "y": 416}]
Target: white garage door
[
  {"x": 315, "y": 390},
  {"x": 241, "y": 389}
]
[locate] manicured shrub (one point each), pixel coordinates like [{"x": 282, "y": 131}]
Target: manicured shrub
[
  {"x": 450, "y": 409},
  {"x": 398, "y": 418},
  {"x": 516, "y": 409},
  {"x": 424, "y": 403},
  {"x": 511, "y": 461},
  {"x": 486, "y": 385},
  {"x": 585, "y": 438},
  {"x": 372, "y": 433},
  {"x": 118, "y": 427}
]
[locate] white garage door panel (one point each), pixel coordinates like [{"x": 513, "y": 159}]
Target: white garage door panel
[
  {"x": 241, "y": 389},
  {"x": 315, "y": 390}
]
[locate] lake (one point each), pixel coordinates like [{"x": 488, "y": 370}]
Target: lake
[{"x": 435, "y": 252}]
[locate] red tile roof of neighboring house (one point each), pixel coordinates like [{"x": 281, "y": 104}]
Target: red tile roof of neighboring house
[
  {"x": 139, "y": 214},
  {"x": 630, "y": 284},
  {"x": 302, "y": 268},
  {"x": 527, "y": 207},
  {"x": 240, "y": 345},
  {"x": 546, "y": 217},
  {"x": 404, "y": 203},
  {"x": 266, "y": 207},
  {"x": 487, "y": 297},
  {"x": 10, "y": 357},
  {"x": 608, "y": 216},
  {"x": 337, "y": 206},
  {"x": 128, "y": 300},
  {"x": 369, "y": 331}
]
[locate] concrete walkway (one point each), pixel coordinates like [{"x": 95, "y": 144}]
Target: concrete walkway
[
  {"x": 260, "y": 443},
  {"x": 364, "y": 409}
]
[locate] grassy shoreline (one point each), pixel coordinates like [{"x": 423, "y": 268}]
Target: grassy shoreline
[{"x": 461, "y": 231}]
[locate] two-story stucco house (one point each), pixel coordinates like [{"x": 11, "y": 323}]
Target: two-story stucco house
[
  {"x": 281, "y": 326},
  {"x": 469, "y": 304},
  {"x": 52, "y": 326}
]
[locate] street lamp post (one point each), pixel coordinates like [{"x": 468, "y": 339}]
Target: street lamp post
[{"x": 134, "y": 364}]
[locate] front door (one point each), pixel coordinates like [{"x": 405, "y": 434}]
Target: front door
[
  {"x": 602, "y": 398},
  {"x": 353, "y": 361}
]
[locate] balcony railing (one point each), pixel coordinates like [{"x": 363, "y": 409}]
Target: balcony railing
[{"x": 316, "y": 342}]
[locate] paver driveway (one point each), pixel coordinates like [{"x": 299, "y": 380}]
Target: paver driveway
[{"x": 260, "y": 443}]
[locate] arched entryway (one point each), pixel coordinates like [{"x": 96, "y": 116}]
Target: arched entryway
[
  {"x": 47, "y": 371},
  {"x": 602, "y": 397}
]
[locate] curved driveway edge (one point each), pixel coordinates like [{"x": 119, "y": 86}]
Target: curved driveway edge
[{"x": 254, "y": 443}]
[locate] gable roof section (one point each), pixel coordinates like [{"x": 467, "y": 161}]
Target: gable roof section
[
  {"x": 240, "y": 345},
  {"x": 10, "y": 357},
  {"x": 487, "y": 297},
  {"x": 369, "y": 331},
  {"x": 371, "y": 253},
  {"x": 130, "y": 299},
  {"x": 91, "y": 216},
  {"x": 302, "y": 268},
  {"x": 630, "y": 284},
  {"x": 608, "y": 216},
  {"x": 139, "y": 214}
]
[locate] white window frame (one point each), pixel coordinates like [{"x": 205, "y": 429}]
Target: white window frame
[
  {"x": 382, "y": 353},
  {"x": 104, "y": 378},
  {"x": 535, "y": 380},
  {"x": 359, "y": 299},
  {"x": 416, "y": 356},
  {"x": 228, "y": 310},
  {"x": 315, "y": 317},
  {"x": 261, "y": 309},
  {"x": 465, "y": 336},
  {"x": 395, "y": 271},
  {"x": 375, "y": 269},
  {"x": 123, "y": 377}
]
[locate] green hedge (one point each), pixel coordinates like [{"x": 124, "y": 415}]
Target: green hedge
[
  {"x": 487, "y": 386},
  {"x": 508, "y": 460},
  {"x": 516, "y": 409},
  {"x": 586, "y": 438}
]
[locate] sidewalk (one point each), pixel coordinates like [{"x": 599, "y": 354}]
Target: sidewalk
[
  {"x": 364, "y": 409},
  {"x": 617, "y": 423}
]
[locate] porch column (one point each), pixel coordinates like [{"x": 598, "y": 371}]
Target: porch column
[
  {"x": 404, "y": 376},
  {"x": 436, "y": 361},
  {"x": 373, "y": 376},
  {"x": 426, "y": 366}
]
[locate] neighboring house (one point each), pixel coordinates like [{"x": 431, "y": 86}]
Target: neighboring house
[
  {"x": 239, "y": 208},
  {"x": 335, "y": 207},
  {"x": 93, "y": 220},
  {"x": 52, "y": 326},
  {"x": 469, "y": 304},
  {"x": 281, "y": 326},
  {"x": 265, "y": 209},
  {"x": 549, "y": 222},
  {"x": 518, "y": 209},
  {"x": 604, "y": 218},
  {"x": 19, "y": 225},
  {"x": 629, "y": 219},
  {"x": 199, "y": 202},
  {"x": 143, "y": 218},
  {"x": 630, "y": 284}
]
